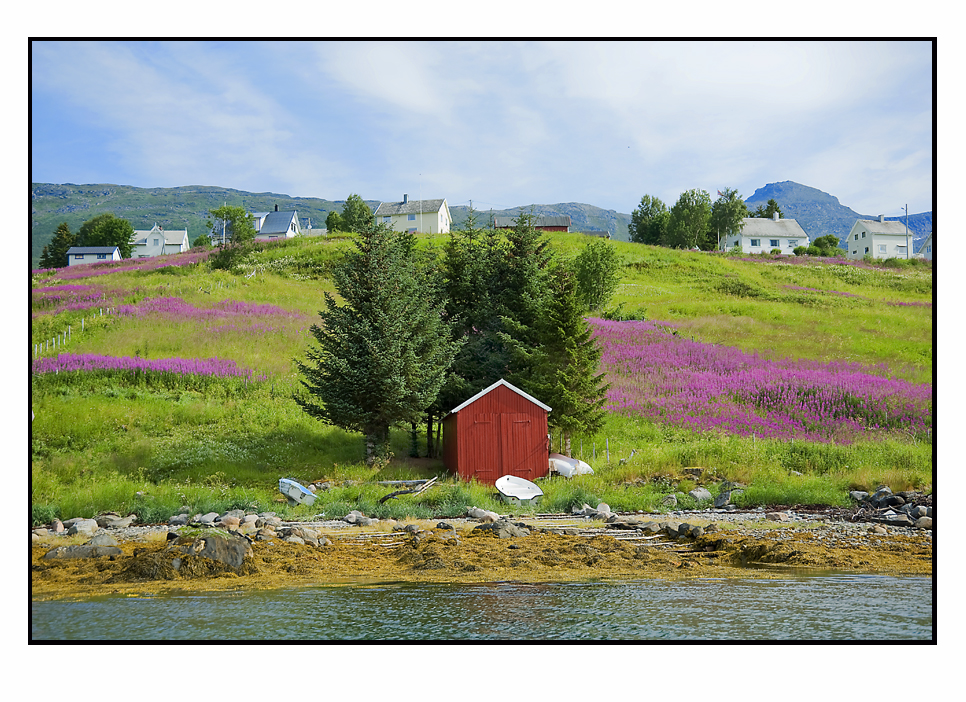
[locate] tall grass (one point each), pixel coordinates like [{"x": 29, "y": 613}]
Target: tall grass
[{"x": 99, "y": 441}]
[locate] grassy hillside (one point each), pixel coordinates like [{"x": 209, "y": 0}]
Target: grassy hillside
[{"x": 152, "y": 442}]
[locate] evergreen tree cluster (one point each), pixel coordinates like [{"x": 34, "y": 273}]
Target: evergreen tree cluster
[
  {"x": 416, "y": 334},
  {"x": 102, "y": 230}
]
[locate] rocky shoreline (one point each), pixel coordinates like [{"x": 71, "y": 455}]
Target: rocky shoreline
[{"x": 82, "y": 557}]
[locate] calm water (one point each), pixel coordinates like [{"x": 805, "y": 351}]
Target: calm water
[{"x": 829, "y": 607}]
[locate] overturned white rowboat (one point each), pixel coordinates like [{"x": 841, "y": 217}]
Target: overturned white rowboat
[
  {"x": 296, "y": 493},
  {"x": 518, "y": 491},
  {"x": 568, "y": 467}
]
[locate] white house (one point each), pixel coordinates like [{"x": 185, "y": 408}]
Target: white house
[
  {"x": 761, "y": 235},
  {"x": 925, "y": 249},
  {"x": 425, "y": 216},
  {"x": 157, "y": 241},
  {"x": 276, "y": 225},
  {"x": 77, "y": 255},
  {"x": 878, "y": 238}
]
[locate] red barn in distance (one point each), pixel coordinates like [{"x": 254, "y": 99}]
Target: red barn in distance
[
  {"x": 548, "y": 223},
  {"x": 499, "y": 431}
]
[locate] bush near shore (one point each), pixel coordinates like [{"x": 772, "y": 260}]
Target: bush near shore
[{"x": 150, "y": 436}]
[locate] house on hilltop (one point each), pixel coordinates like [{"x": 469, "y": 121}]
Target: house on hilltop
[
  {"x": 878, "y": 238},
  {"x": 77, "y": 255},
  {"x": 549, "y": 223},
  {"x": 276, "y": 224},
  {"x": 157, "y": 241},
  {"x": 425, "y": 216},
  {"x": 761, "y": 235}
]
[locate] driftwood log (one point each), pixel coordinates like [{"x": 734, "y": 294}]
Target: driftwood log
[{"x": 413, "y": 490}]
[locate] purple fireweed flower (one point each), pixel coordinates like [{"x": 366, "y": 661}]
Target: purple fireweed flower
[
  {"x": 178, "y": 308},
  {"x": 706, "y": 387},
  {"x": 67, "y": 362}
]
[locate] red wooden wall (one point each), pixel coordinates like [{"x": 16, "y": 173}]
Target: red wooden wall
[{"x": 501, "y": 432}]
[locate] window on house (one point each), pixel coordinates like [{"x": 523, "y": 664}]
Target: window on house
[
  {"x": 929, "y": 249},
  {"x": 773, "y": 243},
  {"x": 102, "y": 256},
  {"x": 863, "y": 235},
  {"x": 856, "y": 236},
  {"x": 900, "y": 250},
  {"x": 756, "y": 242},
  {"x": 411, "y": 218},
  {"x": 792, "y": 243},
  {"x": 412, "y": 230},
  {"x": 867, "y": 249},
  {"x": 386, "y": 219},
  {"x": 157, "y": 241},
  {"x": 882, "y": 248},
  {"x": 78, "y": 257}
]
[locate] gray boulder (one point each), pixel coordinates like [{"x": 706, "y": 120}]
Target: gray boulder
[
  {"x": 669, "y": 501},
  {"x": 722, "y": 499},
  {"x": 230, "y": 551},
  {"x": 700, "y": 494},
  {"x": 503, "y": 529},
  {"x": 924, "y": 523},
  {"x": 102, "y": 539},
  {"x": 105, "y": 518},
  {"x": 123, "y": 522},
  {"x": 859, "y": 495},
  {"x": 84, "y": 527},
  {"x": 178, "y": 520}
]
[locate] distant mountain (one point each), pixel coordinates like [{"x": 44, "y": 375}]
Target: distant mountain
[
  {"x": 187, "y": 206},
  {"x": 172, "y": 208},
  {"x": 821, "y": 214}
]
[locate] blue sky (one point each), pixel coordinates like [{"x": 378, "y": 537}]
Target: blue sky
[{"x": 501, "y": 123}]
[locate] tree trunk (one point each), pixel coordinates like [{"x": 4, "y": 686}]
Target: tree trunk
[
  {"x": 377, "y": 444},
  {"x": 430, "y": 444}
]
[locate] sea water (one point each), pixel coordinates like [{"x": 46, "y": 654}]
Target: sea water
[{"x": 806, "y": 607}]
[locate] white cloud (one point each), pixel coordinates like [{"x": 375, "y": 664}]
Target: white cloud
[{"x": 514, "y": 122}]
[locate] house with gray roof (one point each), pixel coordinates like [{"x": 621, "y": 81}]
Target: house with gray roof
[
  {"x": 878, "y": 238},
  {"x": 425, "y": 216},
  {"x": 78, "y": 255},
  {"x": 761, "y": 235},
  {"x": 276, "y": 225},
  {"x": 925, "y": 249},
  {"x": 158, "y": 241}
]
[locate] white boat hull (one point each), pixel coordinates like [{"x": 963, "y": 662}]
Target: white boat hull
[
  {"x": 296, "y": 493},
  {"x": 518, "y": 491}
]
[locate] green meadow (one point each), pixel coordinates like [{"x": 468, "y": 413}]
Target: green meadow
[{"x": 155, "y": 444}]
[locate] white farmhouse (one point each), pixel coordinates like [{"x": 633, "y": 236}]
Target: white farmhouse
[
  {"x": 276, "y": 225},
  {"x": 425, "y": 216},
  {"x": 878, "y": 238},
  {"x": 157, "y": 241},
  {"x": 77, "y": 255},
  {"x": 925, "y": 249},
  {"x": 761, "y": 235}
]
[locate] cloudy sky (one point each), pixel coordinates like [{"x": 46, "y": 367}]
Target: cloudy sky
[{"x": 499, "y": 123}]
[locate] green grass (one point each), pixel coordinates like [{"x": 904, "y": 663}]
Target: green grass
[{"x": 211, "y": 446}]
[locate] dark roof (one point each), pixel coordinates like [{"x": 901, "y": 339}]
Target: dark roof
[
  {"x": 411, "y": 207},
  {"x": 547, "y": 221},
  {"x": 277, "y": 222}
]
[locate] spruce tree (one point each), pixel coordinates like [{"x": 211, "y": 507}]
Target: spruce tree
[
  {"x": 383, "y": 353},
  {"x": 564, "y": 368},
  {"x": 54, "y": 254}
]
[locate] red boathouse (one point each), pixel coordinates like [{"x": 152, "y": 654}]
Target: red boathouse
[{"x": 499, "y": 431}]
